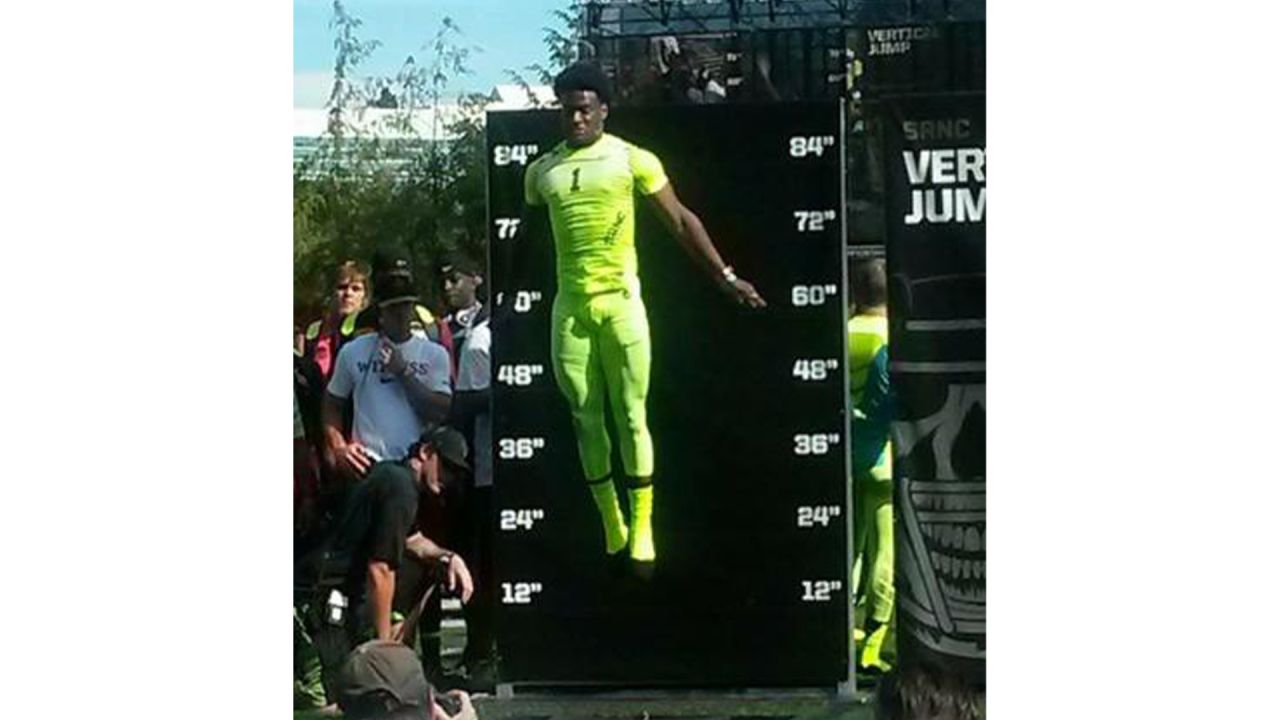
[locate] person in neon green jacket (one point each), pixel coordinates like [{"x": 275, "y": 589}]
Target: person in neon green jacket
[
  {"x": 599, "y": 329},
  {"x": 872, "y": 457}
]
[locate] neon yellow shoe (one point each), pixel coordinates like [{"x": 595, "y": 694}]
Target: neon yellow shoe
[{"x": 869, "y": 658}]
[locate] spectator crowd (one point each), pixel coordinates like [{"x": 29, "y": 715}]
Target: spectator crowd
[
  {"x": 392, "y": 490},
  {"x": 393, "y": 485}
]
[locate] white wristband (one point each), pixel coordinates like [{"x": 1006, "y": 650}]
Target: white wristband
[{"x": 728, "y": 274}]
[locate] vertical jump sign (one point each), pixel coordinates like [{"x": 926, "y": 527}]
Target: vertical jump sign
[{"x": 936, "y": 207}]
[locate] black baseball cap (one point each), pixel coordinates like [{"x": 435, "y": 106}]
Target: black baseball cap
[
  {"x": 392, "y": 260},
  {"x": 393, "y": 276},
  {"x": 457, "y": 262},
  {"x": 449, "y": 443},
  {"x": 390, "y": 289}
]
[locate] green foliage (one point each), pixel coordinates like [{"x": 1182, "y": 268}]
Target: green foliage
[
  {"x": 564, "y": 43},
  {"x": 565, "y": 46},
  {"x": 413, "y": 177},
  {"x": 399, "y": 180},
  {"x": 349, "y": 51}
]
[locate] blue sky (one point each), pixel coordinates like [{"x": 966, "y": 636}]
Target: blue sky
[{"x": 507, "y": 32}]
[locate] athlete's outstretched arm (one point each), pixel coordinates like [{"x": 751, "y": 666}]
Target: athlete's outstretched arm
[{"x": 689, "y": 230}]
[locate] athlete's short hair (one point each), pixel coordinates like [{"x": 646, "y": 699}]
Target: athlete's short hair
[
  {"x": 583, "y": 75},
  {"x": 868, "y": 283}
]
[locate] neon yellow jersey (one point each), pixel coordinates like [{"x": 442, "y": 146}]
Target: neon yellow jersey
[
  {"x": 590, "y": 193},
  {"x": 867, "y": 334}
]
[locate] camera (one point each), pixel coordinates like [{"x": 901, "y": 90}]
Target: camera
[{"x": 448, "y": 703}]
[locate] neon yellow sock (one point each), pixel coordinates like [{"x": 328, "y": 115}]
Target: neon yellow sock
[
  {"x": 641, "y": 523},
  {"x": 615, "y": 530},
  {"x": 870, "y": 656}
]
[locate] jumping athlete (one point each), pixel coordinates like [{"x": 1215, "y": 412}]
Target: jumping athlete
[{"x": 599, "y": 330}]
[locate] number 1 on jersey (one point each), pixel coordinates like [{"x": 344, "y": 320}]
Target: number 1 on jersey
[{"x": 576, "y": 187}]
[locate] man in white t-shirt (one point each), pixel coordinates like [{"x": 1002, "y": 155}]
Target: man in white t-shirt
[{"x": 397, "y": 382}]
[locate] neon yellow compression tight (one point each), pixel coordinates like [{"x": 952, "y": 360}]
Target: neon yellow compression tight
[
  {"x": 873, "y": 544},
  {"x": 599, "y": 348}
]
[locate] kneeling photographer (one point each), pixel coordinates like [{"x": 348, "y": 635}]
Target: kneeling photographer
[{"x": 348, "y": 590}]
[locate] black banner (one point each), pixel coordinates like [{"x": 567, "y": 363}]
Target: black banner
[
  {"x": 935, "y": 57},
  {"x": 746, "y": 409},
  {"x": 935, "y": 163}
]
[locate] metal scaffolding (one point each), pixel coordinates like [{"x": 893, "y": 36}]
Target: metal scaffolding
[{"x": 611, "y": 19}]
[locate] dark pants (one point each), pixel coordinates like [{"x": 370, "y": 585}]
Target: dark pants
[
  {"x": 320, "y": 647},
  {"x": 480, "y": 611}
]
